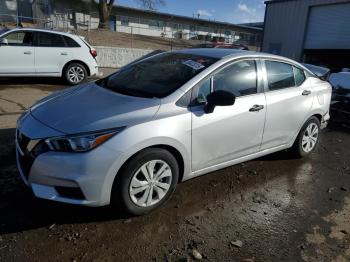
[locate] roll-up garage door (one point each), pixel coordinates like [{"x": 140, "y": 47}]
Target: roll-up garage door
[{"x": 328, "y": 27}]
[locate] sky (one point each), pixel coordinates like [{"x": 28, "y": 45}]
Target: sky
[{"x": 231, "y": 11}]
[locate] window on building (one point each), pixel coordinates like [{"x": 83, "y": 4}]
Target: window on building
[
  {"x": 156, "y": 24},
  {"x": 124, "y": 20}
]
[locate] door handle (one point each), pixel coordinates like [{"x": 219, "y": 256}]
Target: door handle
[
  {"x": 28, "y": 53},
  {"x": 64, "y": 53},
  {"x": 256, "y": 108},
  {"x": 306, "y": 92}
]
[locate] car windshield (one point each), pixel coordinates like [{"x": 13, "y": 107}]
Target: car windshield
[{"x": 158, "y": 76}]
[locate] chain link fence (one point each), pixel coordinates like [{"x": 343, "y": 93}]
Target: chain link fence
[{"x": 132, "y": 32}]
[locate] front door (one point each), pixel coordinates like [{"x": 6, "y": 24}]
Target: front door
[
  {"x": 17, "y": 54},
  {"x": 230, "y": 132}
]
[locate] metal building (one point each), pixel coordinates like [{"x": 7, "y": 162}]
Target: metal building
[{"x": 312, "y": 31}]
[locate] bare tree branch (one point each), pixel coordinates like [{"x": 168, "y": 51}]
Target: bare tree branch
[
  {"x": 152, "y": 4},
  {"x": 110, "y": 5},
  {"x": 105, "y": 8}
]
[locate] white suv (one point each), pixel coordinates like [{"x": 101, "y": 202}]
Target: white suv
[{"x": 46, "y": 53}]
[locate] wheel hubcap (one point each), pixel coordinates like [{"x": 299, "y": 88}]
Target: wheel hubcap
[
  {"x": 76, "y": 74},
  {"x": 150, "y": 183},
  {"x": 310, "y": 137}
]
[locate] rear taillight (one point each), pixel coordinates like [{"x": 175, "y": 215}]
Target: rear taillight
[{"x": 93, "y": 52}]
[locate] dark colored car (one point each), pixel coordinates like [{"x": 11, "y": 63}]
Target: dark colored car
[
  {"x": 222, "y": 45},
  {"x": 3, "y": 30},
  {"x": 340, "y": 105}
]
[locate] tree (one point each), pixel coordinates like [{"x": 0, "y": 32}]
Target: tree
[
  {"x": 104, "y": 11},
  {"x": 105, "y": 8}
]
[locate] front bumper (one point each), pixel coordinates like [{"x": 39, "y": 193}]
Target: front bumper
[
  {"x": 94, "y": 71},
  {"x": 52, "y": 174}
]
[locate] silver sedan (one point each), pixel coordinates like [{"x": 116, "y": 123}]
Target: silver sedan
[{"x": 131, "y": 137}]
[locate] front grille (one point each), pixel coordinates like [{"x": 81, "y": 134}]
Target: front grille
[
  {"x": 22, "y": 141},
  {"x": 25, "y": 162},
  {"x": 28, "y": 151}
]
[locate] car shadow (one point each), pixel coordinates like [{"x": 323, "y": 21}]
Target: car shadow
[
  {"x": 31, "y": 80},
  {"x": 20, "y": 210},
  {"x": 57, "y": 81},
  {"x": 336, "y": 125}
]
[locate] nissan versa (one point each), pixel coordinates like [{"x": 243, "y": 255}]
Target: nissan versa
[{"x": 131, "y": 137}]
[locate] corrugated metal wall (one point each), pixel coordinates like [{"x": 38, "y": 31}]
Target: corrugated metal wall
[
  {"x": 329, "y": 27},
  {"x": 286, "y": 24}
]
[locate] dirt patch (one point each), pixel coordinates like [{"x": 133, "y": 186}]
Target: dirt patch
[
  {"x": 118, "y": 39},
  {"x": 271, "y": 209}
]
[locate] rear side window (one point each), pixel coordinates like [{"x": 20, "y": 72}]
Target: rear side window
[
  {"x": 50, "y": 40},
  {"x": 70, "y": 42},
  {"x": 279, "y": 75},
  {"x": 299, "y": 76}
]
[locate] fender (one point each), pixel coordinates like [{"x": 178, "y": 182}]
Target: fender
[
  {"x": 312, "y": 113},
  {"x": 125, "y": 156}
]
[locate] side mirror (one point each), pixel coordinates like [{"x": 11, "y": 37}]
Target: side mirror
[
  {"x": 219, "y": 98},
  {"x": 3, "y": 41}
]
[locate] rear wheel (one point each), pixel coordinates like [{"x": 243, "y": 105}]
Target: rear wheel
[
  {"x": 147, "y": 181},
  {"x": 75, "y": 73},
  {"x": 308, "y": 138}
]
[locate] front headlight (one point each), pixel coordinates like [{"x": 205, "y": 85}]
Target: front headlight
[{"x": 81, "y": 142}]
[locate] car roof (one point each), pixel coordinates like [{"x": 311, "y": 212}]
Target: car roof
[
  {"x": 223, "y": 53},
  {"x": 228, "y": 52},
  {"x": 38, "y": 30},
  {"x": 214, "y": 52}
]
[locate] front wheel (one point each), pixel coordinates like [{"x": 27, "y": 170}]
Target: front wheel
[
  {"x": 147, "y": 181},
  {"x": 75, "y": 73},
  {"x": 308, "y": 138}
]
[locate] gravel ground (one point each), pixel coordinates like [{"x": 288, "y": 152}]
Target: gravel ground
[{"x": 271, "y": 209}]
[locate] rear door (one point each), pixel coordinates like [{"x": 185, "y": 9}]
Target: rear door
[
  {"x": 17, "y": 56},
  {"x": 51, "y": 53},
  {"x": 288, "y": 100}
]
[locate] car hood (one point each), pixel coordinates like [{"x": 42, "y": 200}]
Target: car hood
[{"x": 90, "y": 107}]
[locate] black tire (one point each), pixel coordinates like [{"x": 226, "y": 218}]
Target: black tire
[
  {"x": 81, "y": 73},
  {"x": 121, "y": 195},
  {"x": 297, "y": 150}
]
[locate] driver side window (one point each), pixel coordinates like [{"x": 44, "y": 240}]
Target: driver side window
[
  {"x": 19, "y": 39},
  {"x": 239, "y": 78}
]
